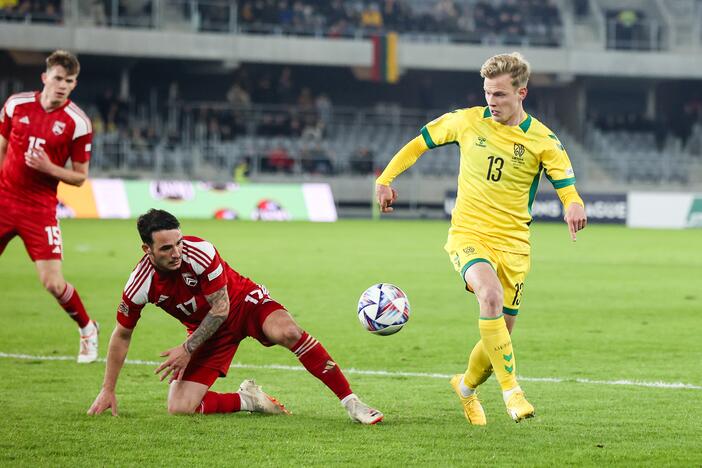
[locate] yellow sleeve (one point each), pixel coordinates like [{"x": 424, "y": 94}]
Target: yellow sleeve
[
  {"x": 443, "y": 130},
  {"x": 569, "y": 195},
  {"x": 557, "y": 166},
  {"x": 403, "y": 160},
  {"x": 440, "y": 131}
]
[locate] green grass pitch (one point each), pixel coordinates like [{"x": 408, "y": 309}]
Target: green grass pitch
[{"x": 617, "y": 305}]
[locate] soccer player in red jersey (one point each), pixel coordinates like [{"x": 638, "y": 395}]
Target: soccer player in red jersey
[
  {"x": 185, "y": 276},
  {"x": 39, "y": 133}
]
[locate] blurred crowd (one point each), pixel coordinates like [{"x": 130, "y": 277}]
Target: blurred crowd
[
  {"x": 283, "y": 108},
  {"x": 271, "y": 105},
  {"x": 338, "y": 18},
  {"x": 38, "y": 11},
  {"x": 297, "y": 120},
  {"x": 535, "y": 22},
  {"x": 501, "y": 21}
]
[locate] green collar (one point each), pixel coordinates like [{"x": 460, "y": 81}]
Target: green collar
[{"x": 524, "y": 125}]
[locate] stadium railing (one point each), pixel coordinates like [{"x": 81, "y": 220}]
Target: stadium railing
[
  {"x": 646, "y": 34},
  {"x": 222, "y": 136},
  {"x": 189, "y": 141},
  {"x": 685, "y": 18}
]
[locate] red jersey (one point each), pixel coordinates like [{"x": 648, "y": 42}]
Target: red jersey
[
  {"x": 181, "y": 293},
  {"x": 65, "y": 132}
]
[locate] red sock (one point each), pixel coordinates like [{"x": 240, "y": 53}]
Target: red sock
[
  {"x": 317, "y": 361},
  {"x": 71, "y": 303},
  {"x": 214, "y": 402}
]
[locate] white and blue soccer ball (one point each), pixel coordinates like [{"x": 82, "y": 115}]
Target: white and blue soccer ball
[{"x": 383, "y": 309}]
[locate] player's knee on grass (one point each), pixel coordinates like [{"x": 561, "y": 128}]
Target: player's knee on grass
[
  {"x": 177, "y": 406},
  {"x": 185, "y": 396}
]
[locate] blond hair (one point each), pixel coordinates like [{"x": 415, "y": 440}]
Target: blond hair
[
  {"x": 64, "y": 59},
  {"x": 514, "y": 64}
]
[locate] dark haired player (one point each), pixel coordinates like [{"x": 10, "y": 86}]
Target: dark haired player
[
  {"x": 186, "y": 277},
  {"x": 39, "y": 133}
]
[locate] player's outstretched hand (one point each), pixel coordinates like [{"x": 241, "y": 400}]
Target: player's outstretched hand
[
  {"x": 576, "y": 219},
  {"x": 105, "y": 399},
  {"x": 178, "y": 359},
  {"x": 386, "y": 197}
]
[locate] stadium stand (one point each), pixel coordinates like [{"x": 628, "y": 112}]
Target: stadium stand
[
  {"x": 532, "y": 22},
  {"x": 279, "y": 127},
  {"x": 291, "y": 120},
  {"x": 508, "y": 21}
]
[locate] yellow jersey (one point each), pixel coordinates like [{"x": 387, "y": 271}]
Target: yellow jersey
[{"x": 499, "y": 175}]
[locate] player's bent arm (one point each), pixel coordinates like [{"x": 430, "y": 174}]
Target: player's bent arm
[
  {"x": 38, "y": 159},
  {"x": 219, "y": 303},
  {"x": 75, "y": 176},
  {"x": 116, "y": 354},
  {"x": 403, "y": 160}
]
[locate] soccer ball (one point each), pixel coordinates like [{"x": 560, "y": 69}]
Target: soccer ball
[{"x": 383, "y": 309}]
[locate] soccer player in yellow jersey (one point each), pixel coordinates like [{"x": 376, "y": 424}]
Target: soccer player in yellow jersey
[{"x": 504, "y": 151}]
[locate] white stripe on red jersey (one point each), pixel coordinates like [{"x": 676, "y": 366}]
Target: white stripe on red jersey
[
  {"x": 82, "y": 114},
  {"x": 139, "y": 277},
  {"x": 198, "y": 254},
  {"x": 205, "y": 248},
  {"x": 215, "y": 273},
  {"x": 136, "y": 278},
  {"x": 138, "y": 270},
  {"x": 194, "y": 261},
  {"x": 17, "y": 100},
  {"x": 139, "y": 282},
  {"x": 82, "y": 126}
]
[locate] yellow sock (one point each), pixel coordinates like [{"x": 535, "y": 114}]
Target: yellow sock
[
  {"x": 498, "y": 346},
  {"x": 479, "y": 366}
]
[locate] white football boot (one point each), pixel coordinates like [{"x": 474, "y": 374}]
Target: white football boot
[
  {"x": 361, "y": 412},
  {"x": 89, "y": 345},
  {"x": 258, "y": 400}
]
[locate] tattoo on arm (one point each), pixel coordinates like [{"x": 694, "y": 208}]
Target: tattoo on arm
[
  {"x": 123, "y": 309},
  {"x": 219, "y": 301}
]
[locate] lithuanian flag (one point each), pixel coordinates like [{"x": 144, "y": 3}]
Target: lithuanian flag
[{"x": 385, "y": 58}]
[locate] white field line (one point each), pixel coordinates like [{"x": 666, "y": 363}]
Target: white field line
[{"x": 424, "y": 375}]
